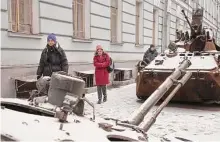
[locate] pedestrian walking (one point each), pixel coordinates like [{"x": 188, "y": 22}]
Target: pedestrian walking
[
  {"x": 53, "y": 58},
  {"x": 101, "y": 61}
]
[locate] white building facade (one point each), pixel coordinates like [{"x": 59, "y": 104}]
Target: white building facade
[{"x": 125, "y": 28}]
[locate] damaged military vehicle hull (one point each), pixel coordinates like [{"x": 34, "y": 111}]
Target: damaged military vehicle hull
[
  {"x": 55, "y": 112},
  {"x": 203, "y": 86},
  {"x": 200, "y": 48},
  {"x": 22, "y": 122}
]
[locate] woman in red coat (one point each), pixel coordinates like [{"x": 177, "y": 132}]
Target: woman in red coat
[{"x": 101, "y": 61}]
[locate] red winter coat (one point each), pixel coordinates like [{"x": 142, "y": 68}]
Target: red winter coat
[{"x": 101, "y": 63}]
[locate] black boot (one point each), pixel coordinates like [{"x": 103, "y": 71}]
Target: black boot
[
  {"x": 99, "y": 102},
  {"x": 105, "y": 99},
  {"x": 99, "y": 91}
]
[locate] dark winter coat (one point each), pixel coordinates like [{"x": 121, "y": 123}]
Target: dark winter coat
[
  {"x": 52, "y": 59},
  {"x": 150, "y": 55},
  {"x": 101, "y": 63}
]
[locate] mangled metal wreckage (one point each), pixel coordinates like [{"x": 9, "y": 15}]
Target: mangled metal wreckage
[
  {"x": 200, "y": 48},
  {"x": 58, "y": 115}
]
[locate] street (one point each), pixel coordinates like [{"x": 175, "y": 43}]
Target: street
[{"x": 179, "y": 121}]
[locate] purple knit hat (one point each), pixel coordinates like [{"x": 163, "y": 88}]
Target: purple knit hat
[{"x": 52, "y": 37}]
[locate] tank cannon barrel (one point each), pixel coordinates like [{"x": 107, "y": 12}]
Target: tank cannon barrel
[
  {"x": 192, "y": 30},
  {"x": 147, "y": 124},
  {"x": 138, "y": 116}
]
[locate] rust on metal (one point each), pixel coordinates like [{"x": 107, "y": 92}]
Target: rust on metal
[{"x": 201, "y": 87}]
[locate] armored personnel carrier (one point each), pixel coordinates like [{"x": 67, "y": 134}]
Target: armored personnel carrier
[
  {"x": 202, "y": 51},
  {"x": 58, "y": 115}
]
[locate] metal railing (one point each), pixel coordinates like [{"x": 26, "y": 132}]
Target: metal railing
[
  {"x": 88, "y": 78},
  {"x": 122, "y": 75}
]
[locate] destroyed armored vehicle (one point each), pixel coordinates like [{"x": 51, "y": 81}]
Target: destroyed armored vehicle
[
  {"x": 201, "y": 50},
  {"x": 55, "y": 112}
]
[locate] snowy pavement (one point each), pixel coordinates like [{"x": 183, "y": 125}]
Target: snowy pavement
[{"x": 182, "y": 122}]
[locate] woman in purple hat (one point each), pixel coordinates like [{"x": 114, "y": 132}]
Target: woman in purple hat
[{"x": 53, "y": 58}]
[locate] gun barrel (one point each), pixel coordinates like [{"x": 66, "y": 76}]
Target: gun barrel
[
  {"x": 139, "y": 115},
  {"x": 147, "y": 124},
  {"x": 187, "y": 20}
]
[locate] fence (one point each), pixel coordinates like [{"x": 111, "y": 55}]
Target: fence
[{"x": 87, "y": 76}]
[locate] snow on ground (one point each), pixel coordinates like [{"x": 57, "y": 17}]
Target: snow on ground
[{"x": 191, "y": 122}]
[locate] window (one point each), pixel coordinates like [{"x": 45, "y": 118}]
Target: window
[
  {"x": 78, "y": 19},
  {"x": 157, "y": 3},
  {"x": 20, "y": 16},
  {"x": 116, "y": 21},
  {"x": 208, "y": 6},
  {"x": 177, "y": 23},
  {"x": 178, "y": 28},
  {"x": 186, "y": 1},
  {"x": 137, "y": 22},
  {"x": 114, "y": 15},
  {"x": 154, "y": 26},
  {"x": 168, "y": 24},
  {"x": 194, "y": 5},
  {"x": 185, "y": 26},
  {"x": 169, "y": 6},
  {"x": 201, "y": 3},
  {"x": 204, "y": 5},
  {"x": 215, "y": 11},
  {"x": 218, "y": 11}
]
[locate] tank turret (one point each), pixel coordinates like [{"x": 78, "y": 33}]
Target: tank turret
[
  {"x": 200, "y": 38},
  {"x": 196, "y": 24}
]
